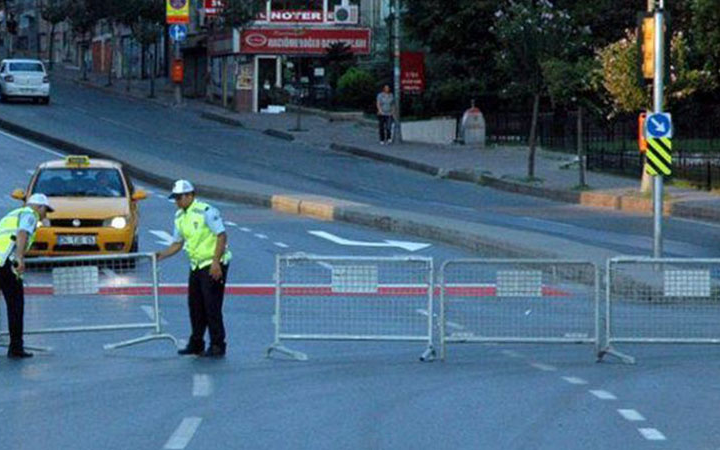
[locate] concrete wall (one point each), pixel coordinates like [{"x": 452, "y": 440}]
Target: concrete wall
[{"x": 434, "y": 131}]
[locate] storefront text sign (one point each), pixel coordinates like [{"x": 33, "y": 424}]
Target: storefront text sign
[
  {"x": 412, "y": 72},
  {"x": 303, "y": 41}
]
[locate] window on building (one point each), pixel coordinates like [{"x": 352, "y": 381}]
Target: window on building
[{"x": 307, "y": 5}]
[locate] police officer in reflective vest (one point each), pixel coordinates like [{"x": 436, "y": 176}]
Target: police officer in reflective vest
[
  {"x": 200, "y": 230},
  {"x": 17, "y": 234}
]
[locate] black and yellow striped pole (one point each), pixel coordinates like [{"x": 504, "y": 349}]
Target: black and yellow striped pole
[{"x": 659, "y": 157}]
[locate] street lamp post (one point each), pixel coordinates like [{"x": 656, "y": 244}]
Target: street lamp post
[
  {"x": 658, "y": 108},
  {"x": 396, "y": 67}
]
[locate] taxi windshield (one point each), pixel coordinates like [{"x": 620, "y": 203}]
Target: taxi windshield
[{"x": 79, "y": 182}]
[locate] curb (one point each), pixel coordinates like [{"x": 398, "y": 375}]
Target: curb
[
  {"x": 595, "y": 199},
  {"x": 319, "y": 207}
]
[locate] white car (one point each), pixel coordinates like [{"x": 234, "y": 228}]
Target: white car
[{"x": 24, "y": 78}]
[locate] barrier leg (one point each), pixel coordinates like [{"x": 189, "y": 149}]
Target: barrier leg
[
  {"x": 625, "y": 358},
  {"x": 428, "y": 355},
  {"x": 294, "y": 354},
  {"x": 142, "y": 340}
]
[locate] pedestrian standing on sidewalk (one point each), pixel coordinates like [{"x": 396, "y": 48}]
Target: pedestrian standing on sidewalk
[
  {"x": 17, "y": 234},
  {"x": 385, "y": 103},
  {"x": 200, "y": 231}
]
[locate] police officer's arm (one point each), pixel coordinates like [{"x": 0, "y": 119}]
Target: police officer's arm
[
  {"x": 20, "y": 243},
  {"x": 169, "y": 251},
  {"x": 173, "y": 248},
  {"x": 215, "y": 268}
]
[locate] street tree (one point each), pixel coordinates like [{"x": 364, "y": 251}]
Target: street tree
[
  {"x": 233, "y": 14},
  {"x": 54, "y": 12},
  {"x": 460, "y": 47},
  {"x": 147, "y": 30},
  {"x": 83, "y": 15},
  {"x": 529, "y": 32},
  {"x": 570, "y": 83},
  {"x": 705, "y": 32}
]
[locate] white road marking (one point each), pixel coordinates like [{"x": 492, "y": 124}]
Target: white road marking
[
  {"x": 232, "y": 224},
  {"x": 603, "y": 395},
  {"x": 30, "y": 172},
  {"x": 511, "y": 354},
  {"x": 32, "y": 144},
  {"x": 202, "y": 385},
  {"x": 281, "y": 244},
  {"x": 82, "y": 110},
  {"x": 574, "y": 380},
  {"x": 652, "y": 434},
  {"x": 631, "y": 415},
  {"x": 405, "y": 245},
  {"x": 260, "y": 236},
  {"x": 245, "y": 229},
  {"x": 544, "y": 367},
  {"x": 150, "y": 311},
  {"x": 183, "y": 434},
  {"x": 165, "y": 237}
]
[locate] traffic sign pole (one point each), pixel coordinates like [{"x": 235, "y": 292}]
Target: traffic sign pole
[{"x": 658, "y": 108}]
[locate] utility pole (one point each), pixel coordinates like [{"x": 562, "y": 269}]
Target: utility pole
[
  {"x": 659, "y": 9},
  {"x": 396, "y": 71}
]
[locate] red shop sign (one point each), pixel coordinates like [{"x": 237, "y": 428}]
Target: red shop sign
[
  {"x": 315, "y": 41},
  {"x": 213, "y": 7},
  {"x": 412, "y": 72}
]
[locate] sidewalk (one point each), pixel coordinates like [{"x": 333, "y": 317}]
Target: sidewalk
[{"x": 501, "y": 167}]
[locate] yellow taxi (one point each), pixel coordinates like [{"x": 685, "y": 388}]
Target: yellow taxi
[{"x": 95, "y": 204}]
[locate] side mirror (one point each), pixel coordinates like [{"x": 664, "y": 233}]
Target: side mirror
[
  {"x": 139, "y": 195},
  {"x": 18, "y": 194}
]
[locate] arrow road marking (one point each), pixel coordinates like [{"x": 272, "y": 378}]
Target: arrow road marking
[
  {"x": 165, "y": 237},
  {"x": 409, "y": 246}
]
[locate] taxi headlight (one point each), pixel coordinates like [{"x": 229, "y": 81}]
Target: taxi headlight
[{"x": 118, "y": 223}]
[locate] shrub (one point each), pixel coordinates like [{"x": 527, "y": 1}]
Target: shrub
[{"x": 356, "y": 89}]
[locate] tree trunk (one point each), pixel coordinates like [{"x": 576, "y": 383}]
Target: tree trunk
[
  {"x": 51, "y": 56},
  {"x": 224, "y": 82},
  {"x": 83, "y": 62},
  {"x": 580, "y": 148},
  {"x": 128, "y": 64},
  {"x": 112, "y": 55},
  {"x": 153, "y": 72},
  {"x": 533, "y": 136},
  {"x": 143, "y": 57}
]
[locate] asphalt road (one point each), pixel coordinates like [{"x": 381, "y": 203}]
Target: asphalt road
[
  {"x": 103, "y": 121},
  {"x": 359, "y": 395}
]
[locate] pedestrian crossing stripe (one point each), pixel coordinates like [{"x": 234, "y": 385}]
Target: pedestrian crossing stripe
[{"x": 658, "y": 156}]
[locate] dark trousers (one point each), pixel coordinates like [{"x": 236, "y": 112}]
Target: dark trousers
[
  {"x": 12, "y": 289},
  {"x": 205, "y": 301},
  {"x": 384, "y": 124}
]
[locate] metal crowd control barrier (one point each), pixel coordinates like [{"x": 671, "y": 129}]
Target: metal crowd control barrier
[
  {"x": 518, "y": 300},
  {"x": 663, "y": 300},
  {"x": 82, "y": 286},
  {"x": 353, "y": 298}
]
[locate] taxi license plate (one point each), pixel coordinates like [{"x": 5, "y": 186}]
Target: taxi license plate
[{"x": 76, "y": 239}]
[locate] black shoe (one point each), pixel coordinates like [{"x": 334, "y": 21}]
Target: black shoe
[
  {"x": 191, "y": 350},
  {"x": 19, "y": 354},
  {"x": 215, "y": 351}
]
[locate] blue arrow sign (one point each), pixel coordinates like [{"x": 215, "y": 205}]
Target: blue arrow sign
[
  {"x": 178, "y": 32},
  {"x": 658, "y": 125}
]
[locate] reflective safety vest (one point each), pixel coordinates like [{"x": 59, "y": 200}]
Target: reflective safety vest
[
  {"x": 8, "y": 232},
  {"x": 199, "y": 240}
]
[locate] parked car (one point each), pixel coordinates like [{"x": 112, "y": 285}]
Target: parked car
[
  {"x": 95, "y": 204},
  {"x": 24, "y": 78}
]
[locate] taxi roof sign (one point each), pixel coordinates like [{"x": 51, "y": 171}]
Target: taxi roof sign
[{"x": 77, "y": 160}]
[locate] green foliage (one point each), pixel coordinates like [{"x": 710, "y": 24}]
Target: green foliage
[
  {"x": 618, "y": 76},
  {"x": 569, "y": 82},
  {"x": 236, "y": 13},
  {"x": 706, "y": 33},
  {"x": 55, "y": 11},
  {"x": 338, "y": 59},
  {"x": 357, "y": 89}
]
